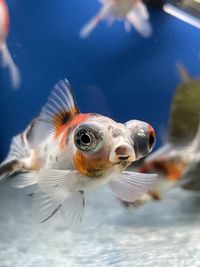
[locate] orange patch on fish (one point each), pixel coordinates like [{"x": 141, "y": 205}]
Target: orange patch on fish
[
  {"x": 92, "y": 167},
  {"x": 175, "y": 170},
  {"x": 171, "y": 170},
  {"x": 63, "y": 117},
  {"x": 70, "y": 120}
]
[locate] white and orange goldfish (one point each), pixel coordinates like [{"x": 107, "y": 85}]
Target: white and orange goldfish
[
  {"x": 133, "y": 12},
  {"x": 64, "y": 153},
  {"x": 6, "y": 56}
]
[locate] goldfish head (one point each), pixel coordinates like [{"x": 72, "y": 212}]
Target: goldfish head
[{"x": 103, "y": 145}]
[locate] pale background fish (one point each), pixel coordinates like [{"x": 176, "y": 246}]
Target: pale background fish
[
  {"x": 5, "y": 53},
  {"x": 133, "y": 12}
]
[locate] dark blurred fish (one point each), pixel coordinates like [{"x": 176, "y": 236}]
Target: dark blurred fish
[
  {"x": 64, "y": 153},
  {"x": 133, "y": 12},
  {"x": 6, "y": 56},
  {"x": 178, "y": 161}
]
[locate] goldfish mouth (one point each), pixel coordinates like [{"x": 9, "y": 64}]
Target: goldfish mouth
[{"x": 123, "y": 157}]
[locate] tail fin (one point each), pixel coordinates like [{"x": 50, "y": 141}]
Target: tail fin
[
  {"x": 18, "y": 157},
  {"x": 8, "y": 61},
  {"x": 139, "y": 18}
]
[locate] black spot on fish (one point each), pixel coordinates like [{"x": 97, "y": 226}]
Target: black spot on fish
[
  {"x": 117, "y": 132},
  {"x": 66, "y": 117},
  {"x": 82, "y": 193},
  {"x": 50, "y": 157},
  {"x": 45, "y": 149},
  {"x": 56, "y": 159}
]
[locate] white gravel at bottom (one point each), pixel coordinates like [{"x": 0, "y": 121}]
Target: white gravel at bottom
[{"x": 162, "y": 234}]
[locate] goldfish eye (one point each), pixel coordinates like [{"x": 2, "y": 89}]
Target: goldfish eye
[
  {"x": 87, "y": 139},
  {"x": 151, "y": 138},
  {"x": 143, "y": 137}
]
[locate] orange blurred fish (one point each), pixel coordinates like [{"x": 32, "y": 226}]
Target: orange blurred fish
[
  {"x": 7, "y": 58},
  {"x": 64, "y": 153},
  {"x": 133, "y": 12}
]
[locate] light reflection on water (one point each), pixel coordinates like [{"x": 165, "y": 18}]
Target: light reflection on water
[{"x": 158, "y": 234}]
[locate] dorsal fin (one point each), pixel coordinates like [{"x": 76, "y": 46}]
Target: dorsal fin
[
  {"x": 61, "y": 105},
  {"x": 183, "y": 72},
  {"x": 60, "y": 109}
]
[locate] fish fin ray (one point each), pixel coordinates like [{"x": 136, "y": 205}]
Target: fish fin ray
[
  {"x": 19, "y": 151},
  {"x": 54, "y": 179},
  {"x": 73, "y": 209},
  {"x": 23, "y": 180},
  {"x": 60, "y": 108},
  {"x": 44, "y": 205},
  {"x": 130, "y": 186}
]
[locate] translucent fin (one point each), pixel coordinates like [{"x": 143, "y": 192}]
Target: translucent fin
[
  {"x": 8, "y": 61},
  {"x": 25, "y": 179},
  {"x": 44, "y": 206},
  {"x": 60, "y": 100},
  {"x": 89, "y": 27},
  {"x": 131, "y": 185},
  {"x": 18, "y": 159},
  {"x": 73, "y": 209},
  {"x": 19, "y": 147},
  {"x": 60, "y": 181},
  {"x": 138, "y": 17},
  {"x": 59, "y": 110}
]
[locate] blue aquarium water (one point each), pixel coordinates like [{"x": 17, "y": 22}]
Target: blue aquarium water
[
  {"x": 112, "y": 72},
  {"x": 117, "y": 74}
]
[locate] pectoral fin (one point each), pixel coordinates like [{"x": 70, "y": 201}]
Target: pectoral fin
[{"x": 130, "y": 186}]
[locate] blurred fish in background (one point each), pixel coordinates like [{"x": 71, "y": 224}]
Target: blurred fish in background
[
  {"x": 177, "y": 161},
  {"x": 65, "y": 153},
  {"x": 133, "y": 12},
  {"x": 6, "y": 56}
]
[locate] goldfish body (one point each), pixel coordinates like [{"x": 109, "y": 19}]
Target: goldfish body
[
  {"x": 64, "y": 153},
  {"x": 7, "y": 59},
  {"x": 133, "y": 12}
]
